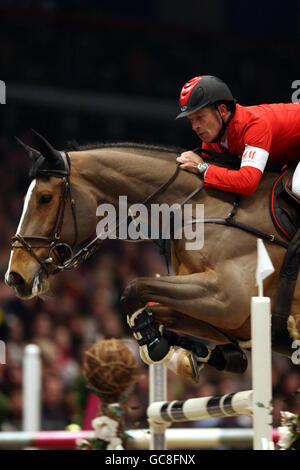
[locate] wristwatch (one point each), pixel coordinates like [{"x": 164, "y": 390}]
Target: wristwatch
[{"x": 202, "y": 167}]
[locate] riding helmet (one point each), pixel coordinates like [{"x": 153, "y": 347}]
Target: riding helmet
[{"x": 202, "y": 91}]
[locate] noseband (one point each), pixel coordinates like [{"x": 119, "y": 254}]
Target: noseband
[{"x": 63, "y": 251}]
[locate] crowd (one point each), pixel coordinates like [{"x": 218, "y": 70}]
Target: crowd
[{"x": 82, "y": 307}]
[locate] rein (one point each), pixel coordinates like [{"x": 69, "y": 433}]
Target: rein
[{"x": 84, "y": 253}]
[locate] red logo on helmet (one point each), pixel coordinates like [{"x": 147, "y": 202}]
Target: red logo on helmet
[{"x": 187, "y": 89}]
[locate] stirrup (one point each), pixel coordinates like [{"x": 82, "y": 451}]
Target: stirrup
[{"x": 195, "y": 366}]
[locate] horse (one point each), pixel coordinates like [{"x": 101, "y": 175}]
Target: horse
[{"x": 208, "y": 294}]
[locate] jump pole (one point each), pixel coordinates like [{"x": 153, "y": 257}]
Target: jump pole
[
  {"x": 31, "y": 388},
  {"x": 157, "y": 392},
  {"x": 176, "y": 438},
  {"x": 261, "y": 373},
  {"x": 261, "y": 355}
]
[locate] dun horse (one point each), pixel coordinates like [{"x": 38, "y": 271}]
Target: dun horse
[{"x": 209, "y": 295}]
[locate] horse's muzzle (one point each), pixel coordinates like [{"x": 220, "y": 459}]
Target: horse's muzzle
[
  {"x": 23, "y": 289},
  {"x": 14, "y": 279}
]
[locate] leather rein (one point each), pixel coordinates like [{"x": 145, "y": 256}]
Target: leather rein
[{"x": 64, "y": 251}]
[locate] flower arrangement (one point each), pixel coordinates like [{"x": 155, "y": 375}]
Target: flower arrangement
[
  {"x": 106, "y": 431},
  {"x": 289, "y": 431},
  {"x": 109, "y": 368},
  {"x": 107, "y": 435}
]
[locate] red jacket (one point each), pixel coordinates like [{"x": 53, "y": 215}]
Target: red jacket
[{"x": 256, "y": 134}]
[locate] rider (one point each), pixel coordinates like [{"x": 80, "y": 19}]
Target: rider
[{"x": 256, "y": 134}]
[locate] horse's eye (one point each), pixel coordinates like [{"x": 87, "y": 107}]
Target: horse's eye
[{"x": 45, "y": 198}]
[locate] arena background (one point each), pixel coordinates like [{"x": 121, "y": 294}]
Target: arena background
[{"x": 111, "y": 71}]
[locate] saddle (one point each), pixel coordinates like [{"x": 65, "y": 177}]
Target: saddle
[{"x": 284, "y": 205}]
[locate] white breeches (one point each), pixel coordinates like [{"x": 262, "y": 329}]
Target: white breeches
[{"x": 296, "y": 181}]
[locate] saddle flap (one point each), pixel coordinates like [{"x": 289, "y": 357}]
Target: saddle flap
[{"x": 284, "y": 205}]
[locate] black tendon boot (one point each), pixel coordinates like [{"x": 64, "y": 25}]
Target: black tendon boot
[
  {"x": 228, "y": 357},
  {"x": 154, "y": 347}
]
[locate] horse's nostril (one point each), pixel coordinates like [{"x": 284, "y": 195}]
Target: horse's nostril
[{"x": 15, "y": 279}]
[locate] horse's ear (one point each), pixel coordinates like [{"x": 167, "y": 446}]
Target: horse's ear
[
  {"x": 31, "y": 152},
  {"x": 48, "y": 151}
]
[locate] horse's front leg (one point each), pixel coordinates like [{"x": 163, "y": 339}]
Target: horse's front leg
[{"x": 197, "y": 297}]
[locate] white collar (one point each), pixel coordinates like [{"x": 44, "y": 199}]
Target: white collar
[{"x": 225, "y": 143}]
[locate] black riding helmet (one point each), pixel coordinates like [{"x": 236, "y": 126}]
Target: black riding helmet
[{"x": 203, "y": 91}]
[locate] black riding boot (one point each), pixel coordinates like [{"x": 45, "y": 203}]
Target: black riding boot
[{"x": 281, "y": 339}]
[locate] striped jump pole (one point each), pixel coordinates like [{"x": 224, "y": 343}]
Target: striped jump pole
[{"x": 164, "y": 413}]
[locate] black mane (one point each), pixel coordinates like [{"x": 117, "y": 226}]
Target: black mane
[
  {"x": 100, "y": 145},
  {"x": 228, "y": 161}
]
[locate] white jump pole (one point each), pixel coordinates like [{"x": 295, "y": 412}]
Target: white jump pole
[
  {"x": 31, "y": 388},
  {"x": 261, "y": 355},
  {"x": 261, "y": 372},
  {"x": 157, "y": 392}
]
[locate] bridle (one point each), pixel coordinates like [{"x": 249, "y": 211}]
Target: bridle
[{"x": 62, "y": 250}]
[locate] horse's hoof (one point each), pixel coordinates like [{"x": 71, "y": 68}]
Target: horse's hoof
[{"x": 185, "y": 364}]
